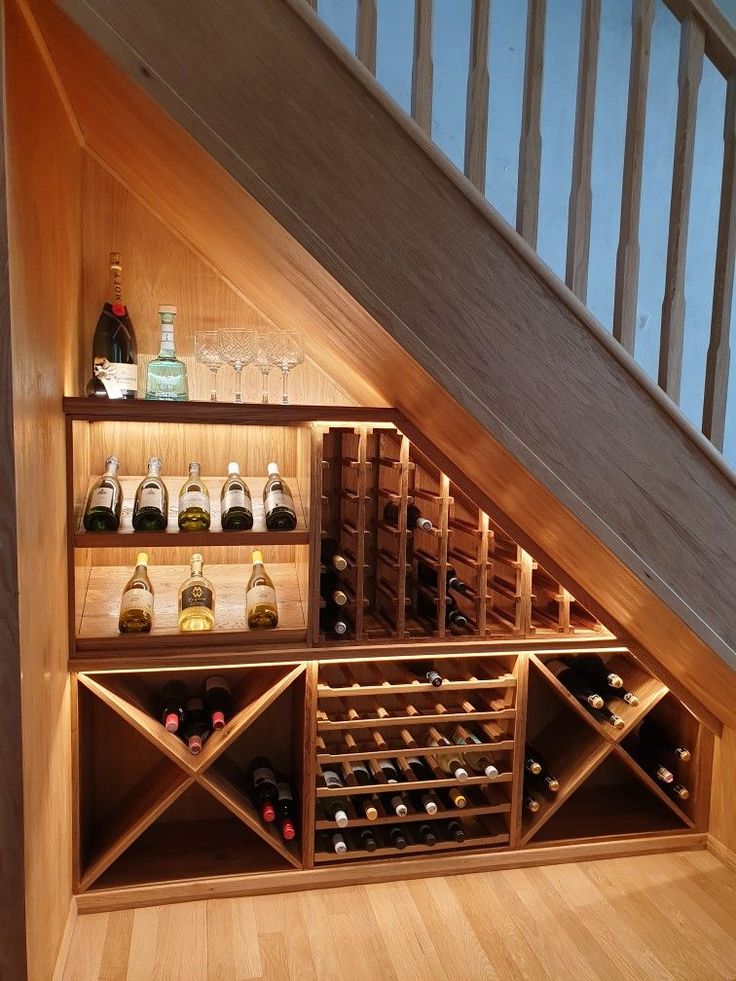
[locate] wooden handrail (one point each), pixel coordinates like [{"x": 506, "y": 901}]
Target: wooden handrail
[{"x": 720, "y": 35}]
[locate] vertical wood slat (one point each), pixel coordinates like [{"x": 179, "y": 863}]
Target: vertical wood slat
[
  {"x": 443, "y": 546},
  {"x": 719, "y": 355},
  {"x": 581, "y": 197},
  {"x": 366, "y": 30},
  {"x": 360, "y": 546},
  {"x": 627, "y": 257},
  {"x": 530, "y": 146},
  {"x": 476, "y": 105},
  {"x": 403, "y": 538},
  {"x": 524, "y": 593},
  {"x": 481, "y": 583},
  {"x": 672, "y": 335},
  {"x": 308, "y": 735},
  {"x": 422, "y": 67},
  {"x": 317, "y": 525}
]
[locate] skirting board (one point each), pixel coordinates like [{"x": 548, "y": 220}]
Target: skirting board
[
  {"x": 222, "y": 887},
  {"x": 720, "y": 850}
]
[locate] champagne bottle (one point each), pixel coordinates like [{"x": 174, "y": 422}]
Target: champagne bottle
[
  {"x": 538, "y": 770},
  {"x": 457, "y": 797},
  {"x": 332, "y": 620},
  {"x": 196, "y": 599},
  {"x": 166, "y": 375},
  {"x": 576, "y": 683},
  {"x": 260, "y": 597},
  {"x": 114, "y": 352},
  {"x": 425, "y": 671},
  {"x": 136, "y": 605},
  {"x": 329, "y": 587},
  {"x": 531, "y": 763},
  {"x": 285, "y": 809},
  {"x": 679, "y": 791},
  {"x": 105, "y": 500},
  {"x": 172, "y": 701},
  {"x": 236, "y": 508},
  {"x": 368, "y": 840},
  {"x": 397, "y": 838},
  {"x": 218, "y": 701},
  {"x": 426, "y": 835},
  {"x": 263, "y": 787},
  {"x": 414, "y": 517},
  {"x": 594, "y": 667},
  {"x": 456, "y": 831},
  {"x": 655, "y": 738},
  {"x": 151, "y": 507},
  {"x": 531, "y": 803},
  {"x": 479, "y": 760},
  {"x": 428, "y": 575},
  {"x": 331, "y": 557},
  {"x": 194, "y": 502},
  {"x": 278, "y": 502},
  {"x": 194, "y": 730},
  {"x": 335, "y": 807},
  {"x": 606, "y": 717},
  {"x": 450, "y": 763}
]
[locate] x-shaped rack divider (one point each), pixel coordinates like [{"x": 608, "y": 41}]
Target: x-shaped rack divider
[{"x": 167, "y": 785}]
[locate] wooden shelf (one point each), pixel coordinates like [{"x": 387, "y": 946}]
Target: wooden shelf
[
  {"x": 393, "y": 788},
  {"x": 126, "y": 537},
  {"x": 101, "y": 607}
]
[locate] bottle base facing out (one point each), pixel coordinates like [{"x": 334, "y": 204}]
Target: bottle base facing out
[{"x": 197, "y": 622}]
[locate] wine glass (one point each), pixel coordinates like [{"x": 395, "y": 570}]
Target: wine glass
[
  {"x": 287, "y": 351},
  {"x": 207, "y": 352},
  {"x": 263, "y": 360},
  {"x": 238, "y": 349}
]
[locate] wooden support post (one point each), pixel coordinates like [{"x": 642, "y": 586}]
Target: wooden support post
[
  {"x": 476, "y": 106},
  {"x": 530, "y": 146},
  {"x": 365, "y": 34},
  {"x": 443, "y": 545},
  {"x": 481, "y": 580},
  {"x": 422, "y": 68}
]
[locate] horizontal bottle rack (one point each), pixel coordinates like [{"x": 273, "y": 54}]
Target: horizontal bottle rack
[{"x": 171, "y": 817}]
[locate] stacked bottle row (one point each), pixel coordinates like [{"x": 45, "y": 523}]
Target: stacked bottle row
[{"x": 408, "y": 555}]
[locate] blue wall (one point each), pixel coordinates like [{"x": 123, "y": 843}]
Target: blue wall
[{"x": 506, "y": 66}]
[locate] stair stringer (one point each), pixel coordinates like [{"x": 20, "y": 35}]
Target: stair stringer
[{"x": 611, "y": 486}]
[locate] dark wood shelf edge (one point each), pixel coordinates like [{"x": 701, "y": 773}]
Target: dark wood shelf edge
[
  {"x": 187, "y": 539},
  {"x": 220, "y": 413}
]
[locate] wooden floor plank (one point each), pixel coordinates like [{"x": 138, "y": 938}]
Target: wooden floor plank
[
  {"x": 85, "y": 952},
  {"x": 233, "y": 951}
]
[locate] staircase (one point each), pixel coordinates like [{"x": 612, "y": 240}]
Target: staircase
[{"x": 363, "y": 221}]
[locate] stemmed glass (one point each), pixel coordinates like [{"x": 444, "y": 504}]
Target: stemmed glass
[
  {"x": 207, "y": 352},
  {"x": 263, "y": 360},
  {"x": 287, "y": 351},
  {"x": 238, "y": 348}
]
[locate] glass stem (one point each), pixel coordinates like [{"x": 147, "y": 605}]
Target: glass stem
[
  {"x": 285, "y": 386},
  {"x": 213, "y": 390},
  {"x": 239, "y": 384},
  {"x": 264, "y": 389}
]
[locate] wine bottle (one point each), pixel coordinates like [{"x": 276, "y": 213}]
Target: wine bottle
[
  {"x": 427, "y": 803},
  {"x": 236, "y": 508},
  {"x": 397, "y": 838},
  {"x": 332, "y": 620},
  {"x": 114, "y": 351},
  {"x": 335, "y": 807},
  {"x": 594, "y": 667},
  {"x": 339, "y": 845},
  {"x": 607, "y": 717},
  {"x": 194, "y": 730},
  {"x": 263, "y": 788},
  {"x": 531, "y": 763},
  {"x": 652, "y": 762},
  {"x": 456, "y": 831},
  {"x": 151, "y": 506},
  {"x": 331, "y": 557},
  {"x": 368, "y": 806},
  {"x": 136, "y": 605},
  {"x": 262, "y": 611},
  {"x": 196, "y": 599},
  {"x": 426, "y": 835},
  {"x": 419, "y": 768},
  {"x": 428, "y": 575},
  {"x": 425, "y": 671},
  {"x": 653, "y": 736},
  {"x": 450, "y": 763},
  {"x": 538, "y": 770},
  {"x": 679, "y": 791},
  {"x": 414, "y": 517},
  {"x": 398, "y": 806},
  {"x": 389, "y": 771},
  {"x": 105, "y": 500},
  {"x": 457, "y": 797},
  {"x": 576, "y": 683},
  {"x": 218, "y": 701},
  {"x": 368, "y": 840},
  {"x": 427, "y": 610},
  {"x": 531, "y": 803},
  {"x": 285, "y": 809},
  {"x": 194, "y": 502},
  {"x": 329, "y": 587},
  {"x": 166, "y": 375},
  {"x": 172, "y": 701},
  {"x": 361, "y": 773},
  {"x": 278, "y": 502},
  {"x": 626, "y": 696},
  {"x": 479, "y": 760}
]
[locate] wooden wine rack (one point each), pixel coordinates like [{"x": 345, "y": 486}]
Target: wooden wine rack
[{"x": 172, "y": 826}]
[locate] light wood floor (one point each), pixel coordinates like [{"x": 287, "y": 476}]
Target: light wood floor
[{"x": 664, "y": 917}]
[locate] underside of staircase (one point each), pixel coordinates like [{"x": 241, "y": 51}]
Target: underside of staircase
[{"x": 402, "y": 276}]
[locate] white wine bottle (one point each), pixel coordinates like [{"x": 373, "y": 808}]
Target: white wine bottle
[
  {"x": 196, "y": 599},
  {"x": 194, "y": 502},
  {"x": 136, "y": 605},
  {"x": 278, "y": 502},
  {"x": 151, "y": 507},
  {"x": 236, "y": 507},
  {"x": 105, "y": 501},
  {"x": 260, "y": 597}
]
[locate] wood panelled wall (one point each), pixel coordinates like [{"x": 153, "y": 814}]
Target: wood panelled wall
[{"x": 44, "y": 171}]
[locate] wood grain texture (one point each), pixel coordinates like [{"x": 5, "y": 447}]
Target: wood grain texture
[
  {"x": 476, "y": 103},
  {"x": 422, "y": 65},
  {"x": 720, "y": 34},
  {"x": 581, "y": 196},
  {"x": 586, "y": 920},
  {"x": 719, "y": 351},
  {"x": 44, "y": 179},
  {"x": 672, "y": 334},
  {"x": 530, "y": 144},
  {"x": 607, "y": 479},
  {"x": 366, "y": 28},
  {"x": 626, "y": 289},
  {"x": 723, "y": 799}
]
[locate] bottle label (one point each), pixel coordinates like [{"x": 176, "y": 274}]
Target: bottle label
[
  {"x": 152, "y": 497},
  {"x": 285, "y": 792},
  {"x": 263, "y": 774},
  {"x": 259, "y": 595},
  {"x": 277, "y": 499},
  {"x": 197, "y": 595},
  {"x": 194, "y": 499},
  {"x": 332, "y": 779},
  {"x": 167, "y": 339},
  {"x": 102, "y": 497},
  {"x": 120, "y": 379},
  {"x": 137, "y": 598},
  {"x": 234, "y": 498}
]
